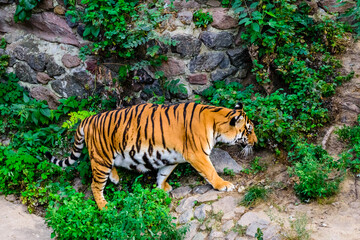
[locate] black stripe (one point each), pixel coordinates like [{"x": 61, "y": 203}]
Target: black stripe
[
  {"x": 162, "y": 131},
  {"x": 148, "y": 165},
  {"x": 151, "y": 149},
  {"x": 217, "y": 110},
  {"x": 167, "y": 115},
  {"x": 72, "y": 156},
  {"x": 132, "y": 155},
  {"x": 138, "y": 140}
]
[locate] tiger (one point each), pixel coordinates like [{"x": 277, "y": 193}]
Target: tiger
[{"x": 148, "y": 137}]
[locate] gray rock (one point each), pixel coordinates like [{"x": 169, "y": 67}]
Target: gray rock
[
  {"x": 180, "y": 192},
  {"x": 71, "y": 23},
  {"x": 225, "y": 204},
  {"x": 252, "y": 228},
  {"x": 209, "y": 196},
  {"x": 193, "y": 226},
  {"x": 186, "y": 216},
  {"x": 225, "y": 63},
  {"x": 53, "y": 69},
  {"x": 216, "y": 235},
  {"x": 25, "y": 73},
  {"x": 217, "y": 41},
  {"x": 207, "y": 61},
  {"x": 201, "y": 211},
  {"x": 221, "y": 74},
  {"x": 271, "y": 232},
  {"x": 36, "y": 61},
  {"x": 227, "y": 226},
  {"x": 19, "y": 52},
  {"x": 248, "y": 218},
  {"x": 228, "y": 216},
  {"x": 149, "y": 91},
  {"x": 231, "y": 235},
  {"x": 221, "y": 159},
  {"x": 239, "y": 56},
  {"x": 199, "y": 236},
  {"x": 187, "y": 45},
  {"x": 202, "y": 189},
  {"x": 185, "y": 204},
  {"x": 186, "y": 17}
]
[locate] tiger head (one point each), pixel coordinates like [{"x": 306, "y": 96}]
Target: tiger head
[{"x": 238, "y": 130}]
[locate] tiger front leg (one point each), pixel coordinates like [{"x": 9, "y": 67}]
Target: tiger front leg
[{"x": 204, "y": 166}]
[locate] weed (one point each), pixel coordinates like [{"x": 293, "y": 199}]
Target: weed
[
  {"x": 254, "y": 195},
  {"x": 229, "y": 172},
  {"x": 202, "y": 19},
  {"x": 255, "y": 167}
]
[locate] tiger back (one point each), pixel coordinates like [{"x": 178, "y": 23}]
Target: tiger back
[{"x": 150, "y": 137}]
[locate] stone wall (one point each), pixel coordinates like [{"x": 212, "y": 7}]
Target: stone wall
[{"x": 44, "y": 52}]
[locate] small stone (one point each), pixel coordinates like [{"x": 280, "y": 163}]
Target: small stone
[
  {"x": 180, "y": 192},
  {"x": 10, "y": 198},
  {"x": 25, "y": 73},
  {"x": 186, "y": 216},
  {"x": 216, "y": 235},
  {"x": 206, "y": 61},
  {"x": 187, "y": 45},
  {"x": 185, "y": 204},
  {"x": 271, "y": 232},
  {"x": 185, "y": 17},
  {"x": 227, "y": 226},
  {"x": 70, "y": 61},
  {"x": 43, "y": 93},
  {"x": 197, "y": 79},
  {"x": 46, "y": 4},
  {"x": 239, "y": 210},
  {"x": 201, "y": 211},
  {"x": 231, "y": 235},
  {"x": 202, "y": 189},
  {"x": 70, "y": 23},
  {"x": 43, "y": 78},
  {"x": 199, "y": 236},
  {"x": 173, "y": 67},
  {"x": 59, "y": 10},
  {"x": 225, "y": 204},
  {"x": 248, "y": 218},
  {"x": 53, "y": 69},
  {"x": 222, "y": 20},
  {"x": 193, "y": 226},
  {"x": 241, "y": 189},
  {"x": 213, "y": 3},
  {"x": 36, "y": 61},
  {"x": 217, "y": 41},
  {"x": 239, "y": 56},
  {"x": 228, "y": 216},
  {"x": 221, "y": 74},
  {"x": 252, "y": 228},
  {"x": 209, "y": 196}
]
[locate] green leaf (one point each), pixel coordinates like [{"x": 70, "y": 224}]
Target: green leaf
[
  {"x": 255, "y": 26},
  {"x": 46, "y": 112},
  {"x": 87, "y": 31},
  {"x": 26, "y": 98}
]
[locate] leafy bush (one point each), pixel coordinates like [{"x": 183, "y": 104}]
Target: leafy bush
[
  {"x": 353, "y": 13},
  {"x": 141, "y": 214},
  {"x": 202, "y": 19},
  {"x": 351, "y": 158},
  {"x": 24, "y": 9},
  {"x": 319, "y": 175},
  {"x": 124, "y": 29}
]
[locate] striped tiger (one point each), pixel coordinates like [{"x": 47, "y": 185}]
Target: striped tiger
[{"x": 150, "y": 137}]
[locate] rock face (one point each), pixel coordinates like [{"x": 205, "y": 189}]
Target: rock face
[
  {"x": 207, "y": 61},
  {"x": 187, "y": 45},
  {"x": 217, "y": 41}
]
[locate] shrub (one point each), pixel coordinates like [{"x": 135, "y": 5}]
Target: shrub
[
  {"x": 319, "y": 175},
  {"x": 351, "y": 158},
  {"x": 141, "y": 214},
  {"x": 202, "y": 19}
]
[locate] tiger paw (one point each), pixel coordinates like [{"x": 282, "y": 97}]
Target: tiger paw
[
  {"x": 166, "y": 187},
  {"x": 225, "y": 186}
]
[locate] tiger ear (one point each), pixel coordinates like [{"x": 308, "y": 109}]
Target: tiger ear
[
  {"x": 235, "y": 119},
  {"x": 239, "y": 106}
]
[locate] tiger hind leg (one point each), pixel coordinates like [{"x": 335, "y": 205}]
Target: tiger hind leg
[
  {"x": 100, "y": 177},
  {"x": 114, "y": 176},
  {"x": 162, "y": 176}
]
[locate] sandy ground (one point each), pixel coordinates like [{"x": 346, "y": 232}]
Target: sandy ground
[{"x": 16, "y": 223}]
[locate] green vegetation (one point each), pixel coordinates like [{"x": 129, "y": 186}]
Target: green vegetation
[
  {"x": 24, "y": 9},
  {"x": 255, "y": 167},
  {"x": 124, "y": 29},
  {"x": 229, "y": 172},
  {"x": 254, "y": 195},
  {"x": 351, "y": 158},
  {"x": 140, "y": 214},
  {"x": 319, "y": 175},
  {"x": 202, "y": 19},
  {"x": 352, "y": 13}
]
